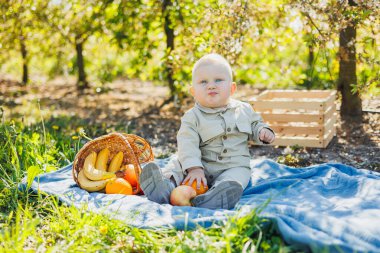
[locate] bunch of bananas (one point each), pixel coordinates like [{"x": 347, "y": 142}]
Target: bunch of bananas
[{"x": 95, "y": 174}]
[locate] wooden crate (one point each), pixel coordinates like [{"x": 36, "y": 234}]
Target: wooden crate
[{"x": 304, "y": 118}]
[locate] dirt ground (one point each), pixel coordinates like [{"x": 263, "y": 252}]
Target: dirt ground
[{"x": 136, "y": 104}]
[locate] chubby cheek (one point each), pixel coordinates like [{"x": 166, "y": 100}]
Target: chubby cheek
[{"x": 200, "y": 95}]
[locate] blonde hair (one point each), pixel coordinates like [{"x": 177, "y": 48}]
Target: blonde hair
[{"x": 213, "y": 59}]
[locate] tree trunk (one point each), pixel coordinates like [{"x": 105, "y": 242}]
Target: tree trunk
[
  {"x": 24, "y": 54},
  {"x": 169, "y": 32},
  {"x": 311, "y": 57},
  {"x": 82, "y": 81},
  {"x": 310, "y": 67},
  {"x": 351, "y": 102}
]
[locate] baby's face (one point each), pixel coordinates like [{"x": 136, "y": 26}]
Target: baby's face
[{"x": 212, "y": 85}]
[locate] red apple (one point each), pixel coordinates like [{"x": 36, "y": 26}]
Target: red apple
[{"x": 182, "y": 195}]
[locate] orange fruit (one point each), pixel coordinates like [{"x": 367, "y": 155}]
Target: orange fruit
[
  {"x": 118, "y": 186},
  {"x": 199, "y": 191},
  {"x": 130, "y": 175}
]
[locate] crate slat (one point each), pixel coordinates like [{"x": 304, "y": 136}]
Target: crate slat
[
  {"x": 289, "y": 104},
  {"x": 330, "y": 124},
  {"x": 300, "y": 128},
  {"x": 306, "y": 141},
  {"x": 292, "y": 117},
  {"x": 323, "y": 94},
  {"x": 327, "y": 140},
  {"x": 329, "y": 113},
  {"x": 263, "y": 95},
  {"x": 305, "y": 118},
  {"x": 330, "y": 101},
  {"x": 289, "y": 129},
  {"x": 298, "y": 140}
]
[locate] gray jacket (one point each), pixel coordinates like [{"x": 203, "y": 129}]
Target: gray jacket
[{"x": 216, "y": 139}]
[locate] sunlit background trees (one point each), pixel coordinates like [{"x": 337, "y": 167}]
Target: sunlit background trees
[{"x": 304, "y": 44}]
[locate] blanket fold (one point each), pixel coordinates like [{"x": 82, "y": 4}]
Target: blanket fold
[{"x": 332, "y": 207}]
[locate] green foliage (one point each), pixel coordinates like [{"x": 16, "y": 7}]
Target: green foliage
[
  {"x": 323, "y": 21},
  {"x": 28, "y": 151},
  {"x": 295, "y": 157},
  {"x": 46, "y": 225},
  {"x": 43, "y": 146},
  {"x": 267, "y": 42},
  {"x": 38, "y": 222},
  {"x": 289, "y": 160}
]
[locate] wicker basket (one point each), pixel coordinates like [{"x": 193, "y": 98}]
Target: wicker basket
[{"x": 136, "y": 151}]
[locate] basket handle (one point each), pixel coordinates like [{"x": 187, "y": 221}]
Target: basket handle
[{"x": 135, "y": 162}]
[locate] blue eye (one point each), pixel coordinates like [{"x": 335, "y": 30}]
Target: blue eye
[
  {"x": 203, "y": 82},
  {"x": 218, "y": 80}
]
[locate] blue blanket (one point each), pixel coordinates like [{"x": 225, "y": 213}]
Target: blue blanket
[{"x": 330, "y": 206}]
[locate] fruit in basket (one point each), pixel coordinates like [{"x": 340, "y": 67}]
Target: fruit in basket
[
  {"x": 119, "y": 186},
  {"x": 182, "y": 195},
  {"x": 102, "y": 159},
  {"x": 92, "y": 173},
  {"x": 116, "y": 162},
  {"x": 88, "y": 185},
  {"x": 199, "y": 191},
  {"x": 129, "y": 174}
]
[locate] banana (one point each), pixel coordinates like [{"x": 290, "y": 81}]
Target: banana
[
  {"x": 92, "y": 173},
  {"x": 102, "y": 159},
  {"x": 88, "y": 185},
  {"x": 116, "y": 162}
]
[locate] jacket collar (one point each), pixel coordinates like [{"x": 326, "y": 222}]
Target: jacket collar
[{"x": 232, "y": 103}]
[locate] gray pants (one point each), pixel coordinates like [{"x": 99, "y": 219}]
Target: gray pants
[{"x": 240, "y": 175}]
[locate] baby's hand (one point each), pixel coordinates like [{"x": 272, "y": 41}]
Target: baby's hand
[
  {"x": 195, "y": 173},
  {"x": 266, "y": 136}
]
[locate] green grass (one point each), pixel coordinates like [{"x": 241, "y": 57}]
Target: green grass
[{"x": 31, "y": 222}]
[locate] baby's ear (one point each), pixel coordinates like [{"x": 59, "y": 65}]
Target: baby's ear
[
  {"x": 191, "y": 90},
  {"x": 233, "y": 88}
]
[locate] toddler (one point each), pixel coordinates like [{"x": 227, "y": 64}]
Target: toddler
[{"x": 212, "y": 141}]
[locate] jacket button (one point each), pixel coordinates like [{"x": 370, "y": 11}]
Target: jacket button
[
  {"x": 225, "y": 151},
  {"x": 224, "y": 137},
  {"x": 220, "y": 158},
  {"x": 229, "y": 129}
]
